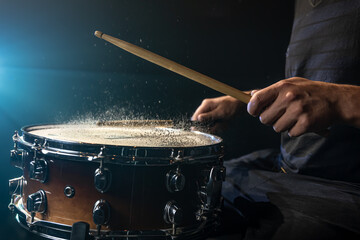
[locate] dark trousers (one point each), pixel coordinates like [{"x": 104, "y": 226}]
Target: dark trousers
[{"x": 262, "y": 201}]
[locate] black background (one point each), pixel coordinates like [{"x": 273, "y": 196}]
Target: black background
[{"x": 53, "y": 70}]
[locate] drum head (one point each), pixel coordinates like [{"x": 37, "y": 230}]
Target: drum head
[
  {"x": 123, "y": 144},
  {"x": 139, "y": 136}
]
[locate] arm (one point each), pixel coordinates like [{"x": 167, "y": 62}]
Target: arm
[{"x": 300, "y": 105}]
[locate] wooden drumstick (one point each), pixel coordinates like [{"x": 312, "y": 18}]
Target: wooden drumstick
[{"x": 177, "y": 68}]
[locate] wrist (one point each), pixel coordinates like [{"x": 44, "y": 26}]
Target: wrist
[{"x": 349, "y": 105}]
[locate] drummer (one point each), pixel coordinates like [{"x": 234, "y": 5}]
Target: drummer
[{"x": 311, "y": 185}]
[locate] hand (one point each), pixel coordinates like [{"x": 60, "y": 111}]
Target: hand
[
  {"x": 300, "y": 105},
  {"x": 218, "y": 109}
]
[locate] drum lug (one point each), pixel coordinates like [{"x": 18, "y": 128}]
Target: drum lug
[
  {"x": 175, "y": 181},
  {"x": 213, "y": 188},
  {"x": 16, "y": 155},
  {"x": 36, "y": 202},
  {"x": 179, "y": 157},
  {"x": 38, "y": 167},
  {"x": 16, "y": 186},
  {"x": 101, "y": 213},
  {"x": 173, "y": 214},
  {"x": 210, "y": 193},
  {"x": 15, "y": 190},
  {"x": 102, "y": 179},
  {"x": 102, "y": 176},
  {"x": 38, "y": 170}
]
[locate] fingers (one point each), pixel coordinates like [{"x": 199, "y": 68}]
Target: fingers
[
  {"x": 261, "y": 99},
  {"x": 206, "y": 106},
  {"x": 301, "y": 126},
  {"x": 210, "y": 116},
  {"x": 278, "y": 108},
  {"x": 284, "y": 123}
]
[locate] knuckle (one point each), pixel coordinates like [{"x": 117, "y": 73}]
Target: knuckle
[
  {"x": 298, "y": 109},
  {"x": 206, "y": 101},
  {"x": 290, "y": 96},
  {"x": 284, "y": 83}
]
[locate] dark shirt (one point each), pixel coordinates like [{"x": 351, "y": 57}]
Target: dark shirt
[{"x": 325, "y": 46}]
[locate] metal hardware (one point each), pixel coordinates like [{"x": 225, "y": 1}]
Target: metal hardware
[
  {"x": 102, "y": 179},
  {"x": 15, "y": 190},
  {"x": 36, "y": 202},
  {"x": 175, "y": 180},
  {"x": 209, "y": 194},
  {"x": 69, "y": 191},
  {"x": 102, "y": 176},
  {"x": 101, "y": 212},
  {"x": 16, "y": 158},
  {"x": 173, "y": 213},
  {"x": 38, "y": 169},
  {"x": 15, "y": 186},
  {"x": 16, "y": 155},
  {"x": 213, "y": 187},
  {"x": 180, "y": 155}
]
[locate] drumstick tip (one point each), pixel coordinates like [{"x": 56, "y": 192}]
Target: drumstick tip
[{"x": 98, "y": 34}]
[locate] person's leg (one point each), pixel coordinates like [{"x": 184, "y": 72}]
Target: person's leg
[{"x": 275, "y": 205}]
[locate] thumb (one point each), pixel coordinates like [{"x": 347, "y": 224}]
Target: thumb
[
  {"x": 206, "y": 117},
  {"x": 253, "y": 92}
]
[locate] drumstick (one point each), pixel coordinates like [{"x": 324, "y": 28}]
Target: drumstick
[{"x": 177, "y": 68}]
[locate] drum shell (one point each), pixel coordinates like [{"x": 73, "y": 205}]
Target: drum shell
[{"x": 137, "y": 196}]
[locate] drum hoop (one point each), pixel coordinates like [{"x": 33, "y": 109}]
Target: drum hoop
[{"x": 118, "y": 154}]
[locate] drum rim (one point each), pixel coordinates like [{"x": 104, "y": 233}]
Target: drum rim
[
  {"x": 89, "y": 151},
  {"x": 63, "y": 231}
]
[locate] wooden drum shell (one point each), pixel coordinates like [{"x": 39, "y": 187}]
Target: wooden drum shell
[{"x": 137, "y": 196}]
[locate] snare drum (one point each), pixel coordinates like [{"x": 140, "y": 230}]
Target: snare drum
[{"x": 124, "y": 181}]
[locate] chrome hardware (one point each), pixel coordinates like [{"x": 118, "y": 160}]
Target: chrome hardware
[
  {"x": 173, "y": 213},
  {"x": 213, "y": 188},
  {"x": 209, "y": 192},
  {"x": 15, "y": 186},
  {"x": 16, "y": 158},
  {"x": 69, "y": 191},
  {"x": 101, "y": 213},
  {"x": 103, "y": 176},
  {"x": 175, "y": 181},
  {"x": 16, "y": 155},
  {"x": 102, "y": 179},
  {"x": 36, "y": 202},
  {"x": 102, "y": 152},
  {"x": 180, "y": 155},
  {"x": 38, "y": 169}
]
